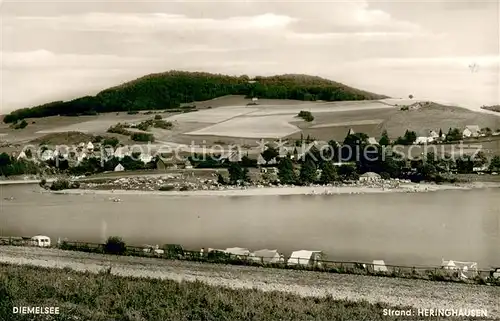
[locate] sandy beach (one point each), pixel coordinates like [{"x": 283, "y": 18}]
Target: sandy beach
[{"x": 290, "y": 190}]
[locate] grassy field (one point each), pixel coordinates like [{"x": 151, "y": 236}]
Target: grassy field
[{"x": 87, "y": 296}]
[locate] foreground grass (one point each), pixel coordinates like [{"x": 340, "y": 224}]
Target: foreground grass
[{"x": 87, "y": 296}]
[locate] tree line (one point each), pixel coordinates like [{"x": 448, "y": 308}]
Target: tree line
[{"x": 169, "y": 90}]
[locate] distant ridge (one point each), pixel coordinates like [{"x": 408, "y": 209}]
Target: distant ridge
[{"x": 171, "y": 89}]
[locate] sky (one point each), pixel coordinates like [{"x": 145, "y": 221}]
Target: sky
[{"x": 59, "y": 50}]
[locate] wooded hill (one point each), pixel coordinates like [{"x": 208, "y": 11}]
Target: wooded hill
[{"x": 170, "y": 89}]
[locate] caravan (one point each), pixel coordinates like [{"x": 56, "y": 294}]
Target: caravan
[{"x": 40, "y": 241}]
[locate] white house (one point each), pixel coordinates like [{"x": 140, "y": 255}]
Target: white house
[
  {"x": 471, "y": 131},
  {"x": 47, "y": 154},
  {"x": 273, "y": 161},
  {"x": 145, "y": 158},
  {"x": 119, "y": 168},
  {"x": 187, "y": 164},
  {"x": 261, "y": 160},
  {"x": 90, "y": 146},
  {"x": 433, "y": 134},
  {"x": 121, "y": 152},
  {"x": 234, "y": 156},
  {"x": 423, "y": 140},
  {"x": 22, "y": 155},
  {"x": 255, "y": 99},
  {"x": 108, "y": 152},
  {"x": 81, "y": 157}
]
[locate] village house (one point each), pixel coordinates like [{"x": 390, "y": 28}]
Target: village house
[
  {"x": 80, "y": 158},
  {"x": 163, "y": 165},
  {"x": 108, "y": 152},
  {"x": 471, "y": 131},
  {"x": 423, "y": 140},
  {"x": 121, "y": 152},
  {"x": 46, "y": 155},
  {"x": 22, "y": 155},
  {"x": 260, "y": 160},
  {"x": 145, "y": 158},
  {"x": 434, "y": 135},
  {"x": 233, "y": 156}
]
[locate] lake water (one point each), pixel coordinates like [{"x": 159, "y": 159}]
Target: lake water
[{"x": 413, "y": 229}]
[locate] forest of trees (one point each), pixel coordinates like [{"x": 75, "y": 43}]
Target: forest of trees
[{"x": 169, "y": 90}]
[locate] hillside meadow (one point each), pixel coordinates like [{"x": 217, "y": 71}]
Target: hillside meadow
[{"x": 106, "y": 297}]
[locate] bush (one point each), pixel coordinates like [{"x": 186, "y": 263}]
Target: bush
[
  {"x": 60, "y": 184},
  {"x": 306, "y": 115},
  {"x": 184, "y": 188},
  {"x": 163, "y": 124},
  {"x": 385, "y": 175},
  {"x": 97, "y": 139},
  {"x": 22, "y": 124},
  {"x": 111, "y": 141},
  {"x": 132, "y": 112},
  {"x": 167, "y": 188},
  {"x": 158, "y": 117},
  {"x": 118, "y": 129},
  {"x": 115, "y": 245},
  {"x": 142, "y": 137}
]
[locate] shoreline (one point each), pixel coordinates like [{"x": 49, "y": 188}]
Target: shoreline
[{"x": 288, "y": 190}]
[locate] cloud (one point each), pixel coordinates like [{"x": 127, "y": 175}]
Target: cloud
[
  {"x": 44, "y": 59},
  {"x": 156, "y": 22},
  {"x": 484, "y": 62}
]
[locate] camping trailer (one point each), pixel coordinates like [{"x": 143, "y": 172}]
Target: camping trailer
[
  {"x": 267, "y": 256},
  {"x": 40, "y": 241},
  {"x": 306, "y": 258},
  {"x": 379, "y": 266}
]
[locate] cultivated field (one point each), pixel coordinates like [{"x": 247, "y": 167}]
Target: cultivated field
[
  {"x": 231, "y": 121},
  {"x": 251, "y": 127},
  {"x": 392, "y": 291}
]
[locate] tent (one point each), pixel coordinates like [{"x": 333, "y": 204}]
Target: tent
[
  {"x": 379, "y": 266},
  {"x": 305, "y": 257},
  {"x": 119, "y": 168},
  {"x": 267, "y": 256},
  {"x": 459, "y": 265},
  {"x": 238, "y": 251}
]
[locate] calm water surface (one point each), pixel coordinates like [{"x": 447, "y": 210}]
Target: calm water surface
[{"x": 415, "y": 229}]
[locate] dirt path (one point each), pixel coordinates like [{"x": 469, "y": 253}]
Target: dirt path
[{"x": 416, "y": 293}]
